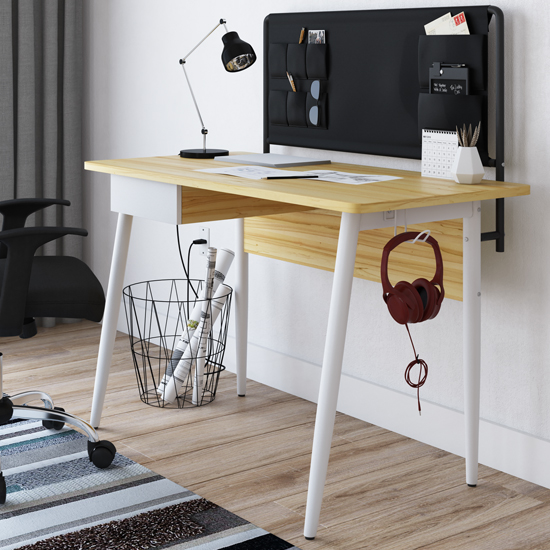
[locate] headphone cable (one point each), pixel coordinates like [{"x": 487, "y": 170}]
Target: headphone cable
[{"x": 422, "y": 365}]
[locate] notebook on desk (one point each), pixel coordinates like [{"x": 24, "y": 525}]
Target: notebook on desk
[{"x": 272, "y": 159}]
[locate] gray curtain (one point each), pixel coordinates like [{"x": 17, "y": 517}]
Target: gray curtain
[{"x": 41, "y": 109}]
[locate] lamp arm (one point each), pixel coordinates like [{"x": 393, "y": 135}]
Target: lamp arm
[
  {"x": 204, "y": 131},
  {"x": 222, "y": 22},
  {"x": 193, "y": 96}
]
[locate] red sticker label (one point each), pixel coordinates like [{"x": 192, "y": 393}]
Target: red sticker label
[{"x": 458, "y": 19}]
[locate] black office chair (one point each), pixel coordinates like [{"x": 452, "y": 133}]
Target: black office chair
[{"x": 43, "y": 286}]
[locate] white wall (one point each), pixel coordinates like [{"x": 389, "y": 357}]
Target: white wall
[{"x": 137, "y": 104}]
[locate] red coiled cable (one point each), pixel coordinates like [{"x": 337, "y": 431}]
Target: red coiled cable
[{"x": 423, "y": 367}]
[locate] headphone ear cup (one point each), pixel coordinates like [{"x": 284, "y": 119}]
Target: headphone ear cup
[
  {"x": 405, "y": 304},
  {"x": 428, "y": 294},
  {"x": 437, "y": 301}
]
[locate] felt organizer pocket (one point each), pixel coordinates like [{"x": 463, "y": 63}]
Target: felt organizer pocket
[
  {"x": 446, "y": 112},
  {"x": 296, "y": 60},
  {"x": 316, "y": 61},
  {"x": 277, "y": 60},
  {"x": 277, "y": 108},
  {"x": 469, "y": 50},
  {"x": 296, "y": 108}
]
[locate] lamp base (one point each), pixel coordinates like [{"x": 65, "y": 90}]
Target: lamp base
[{"x": 203, "y": 153}]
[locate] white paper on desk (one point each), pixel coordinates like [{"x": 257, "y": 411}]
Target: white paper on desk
[
  {"x": 350, "y": 178},
  {"x": 254, "y": 172}
]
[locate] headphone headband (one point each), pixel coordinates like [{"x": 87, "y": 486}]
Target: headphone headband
[{"x": 395, "y": 242}]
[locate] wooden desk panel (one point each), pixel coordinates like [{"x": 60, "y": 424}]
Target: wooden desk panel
[
  {"x": 300, "y": 218},
  {"x": 410, "y": 191},
  {"x": 199, "y": 205},
  {"x": 311, "y": 238}
]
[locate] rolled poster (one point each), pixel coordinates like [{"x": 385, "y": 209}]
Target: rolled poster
[
  {"x": 198, "y": 342},
  {"x": 224, "y": 259}
]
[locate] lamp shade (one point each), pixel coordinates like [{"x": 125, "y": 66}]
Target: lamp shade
[{"x": 237, "y": 54}]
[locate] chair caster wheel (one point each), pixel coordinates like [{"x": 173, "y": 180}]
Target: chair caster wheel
[
  {"x": 101, "y": 453},
  {"x": 54, "y": 424},
  {"x": 3, "y": 490}
]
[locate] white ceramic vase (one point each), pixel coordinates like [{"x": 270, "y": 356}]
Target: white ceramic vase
[{"x": 467, "y": 166}]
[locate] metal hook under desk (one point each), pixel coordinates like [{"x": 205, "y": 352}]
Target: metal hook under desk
[
  {"x": 417, "y": 238},
  {"x": 426, "y": 232},
  {"x": 395, "y": 222}
]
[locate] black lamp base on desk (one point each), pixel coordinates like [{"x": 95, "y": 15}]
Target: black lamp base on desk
[{"x": 203, "y": 153}]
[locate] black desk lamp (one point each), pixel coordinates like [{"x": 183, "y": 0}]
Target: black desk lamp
[{"x": 237, "y": 55}]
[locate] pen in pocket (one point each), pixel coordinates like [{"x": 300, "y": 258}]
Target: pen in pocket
[{"x": 291, "y": 80}]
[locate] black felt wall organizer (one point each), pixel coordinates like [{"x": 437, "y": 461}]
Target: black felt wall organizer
[
  {"x": 374, "y": 67},
  {"x": 306, "y": 63}
]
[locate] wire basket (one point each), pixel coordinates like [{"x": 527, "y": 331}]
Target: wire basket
[{"x": 177, "y": 353}]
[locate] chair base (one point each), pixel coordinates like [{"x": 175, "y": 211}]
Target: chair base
[{"x": 101, "y": 453}]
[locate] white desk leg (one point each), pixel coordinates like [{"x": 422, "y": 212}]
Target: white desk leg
[
  {"x": 332, "y": 368},
  {"x": 472, "y": 337},
  {"x": 110, "y": 317},
  {"x": 241, "y": 308}
]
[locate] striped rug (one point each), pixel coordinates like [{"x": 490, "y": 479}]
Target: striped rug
[{"x": 57, "y": 499}]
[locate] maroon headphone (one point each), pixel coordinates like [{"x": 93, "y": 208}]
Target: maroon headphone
[{"x": 418, "y": 301}]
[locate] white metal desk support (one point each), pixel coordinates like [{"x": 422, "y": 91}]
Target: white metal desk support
[{"x": 351, "y": 224}]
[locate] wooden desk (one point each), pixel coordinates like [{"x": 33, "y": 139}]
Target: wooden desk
[{"x": 168, "y": 189}]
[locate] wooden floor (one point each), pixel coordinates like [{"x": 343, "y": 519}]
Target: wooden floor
[{"x": 251, "y": 455}]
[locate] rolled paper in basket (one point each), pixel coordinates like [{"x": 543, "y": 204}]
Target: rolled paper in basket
[
  {"x": 203, "y": 341},
  {"x": 184, "y": 365},
  {"x": 197, "y": 343},
  {"x": 224, "y": 259}
]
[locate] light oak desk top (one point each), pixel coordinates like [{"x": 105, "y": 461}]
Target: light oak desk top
[
  {"x": 207, "y": 197},
  {"x": 411, "y": 191}
]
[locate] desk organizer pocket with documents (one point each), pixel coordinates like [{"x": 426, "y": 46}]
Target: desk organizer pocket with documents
[
  {"x": 454, "y": 49},
  {"x": 445, "y": 111},
  {"x": 277, "y": 60}
]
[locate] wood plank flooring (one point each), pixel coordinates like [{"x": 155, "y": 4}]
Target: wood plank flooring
[{"x": 251, "y": 455}]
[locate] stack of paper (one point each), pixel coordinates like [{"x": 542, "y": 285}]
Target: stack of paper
[{"x": 448, "y": 24}]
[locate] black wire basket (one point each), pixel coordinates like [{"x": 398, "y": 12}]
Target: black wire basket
[{"x": 177, "y": 353}]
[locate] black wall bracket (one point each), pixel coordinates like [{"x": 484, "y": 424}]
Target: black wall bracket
[{"x": 498, "y": 234}]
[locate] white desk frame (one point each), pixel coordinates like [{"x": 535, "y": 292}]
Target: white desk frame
[{"x": 167, "y": 200}]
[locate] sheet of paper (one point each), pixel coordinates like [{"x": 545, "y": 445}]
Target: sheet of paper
[
  {"x": 254, "y": 172},
  {"x": 261, "y": 172},
  {"x": 431, "y": 27},
  {"x": 448, "y": 24},
  {"x": 349, "y": 178}
]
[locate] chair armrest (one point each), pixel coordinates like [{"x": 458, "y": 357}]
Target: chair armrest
[
  {"x": 17, "y": 211},
  {"x": 22, "y": 244}
]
